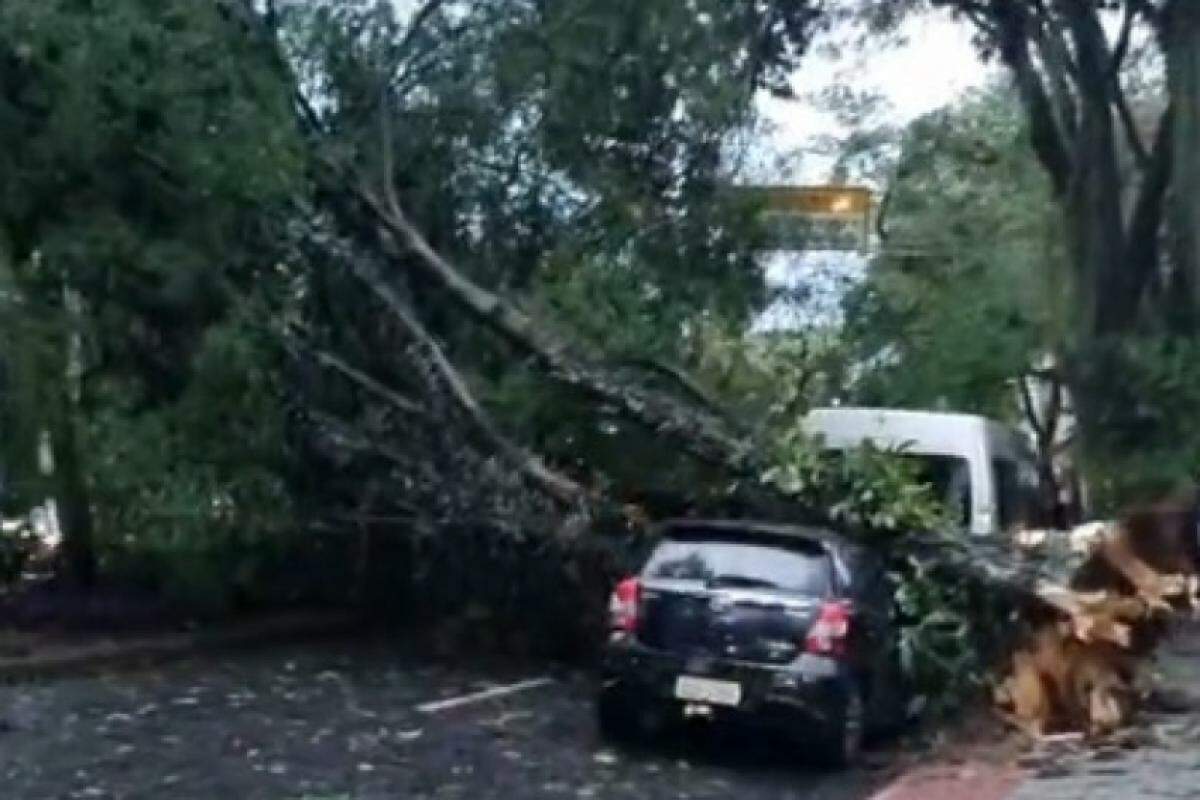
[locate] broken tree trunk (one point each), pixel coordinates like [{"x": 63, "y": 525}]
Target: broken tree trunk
[{"x": 1117, "y": 588}]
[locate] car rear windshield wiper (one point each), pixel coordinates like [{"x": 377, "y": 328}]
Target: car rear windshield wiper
[{"x": 741, "y": 581}]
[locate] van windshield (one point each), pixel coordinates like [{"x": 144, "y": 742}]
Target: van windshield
[
  {"x": 950, "y": 479},
  {"x": 1016, "y": 499}
]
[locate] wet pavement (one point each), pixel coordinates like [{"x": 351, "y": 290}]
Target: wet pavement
[{"x": 338, "y": 722}]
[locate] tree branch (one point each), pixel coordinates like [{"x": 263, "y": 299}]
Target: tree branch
[
  {"x": 1054, "y": 415},
  {"x": 531, "y": 466},
  {"x": 308, "y": 114},
  {"x": 1120, "y": 51},
  {"x": 678, "y": 377},
  {"x": 373, "y": 386},
  {"x": 358, "y": 440},
  {"x": 419, "y": 18},
  {"x": 885, "y": 205},
  {"x": 698, "y": 434},
  {"x": 388, "y": 74},
  {"x": 1142, "y": 248},
  {"x": 557, "y": 485},
  {"x": 1050, "y": 26},
  {"x": 1123, "y": 38},
  {"x": 1092, "y": 55},
  {"x": 1129, "y": 124},
  {"x": 1058, "y": 65},
  {"x": 1045, "y": 133}
]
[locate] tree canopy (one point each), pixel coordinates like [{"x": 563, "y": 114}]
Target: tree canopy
[{"x": 967, "y": 292}]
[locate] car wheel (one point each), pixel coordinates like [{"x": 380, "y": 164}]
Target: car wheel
[{"x": 842, "y": 741}]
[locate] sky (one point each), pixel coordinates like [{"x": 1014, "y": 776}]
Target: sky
[{"x": 935, "y": 64}]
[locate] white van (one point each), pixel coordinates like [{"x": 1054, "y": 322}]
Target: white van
[{"x": 985, "y": 471}]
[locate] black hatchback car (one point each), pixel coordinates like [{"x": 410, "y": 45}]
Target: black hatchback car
[{"x": 782, "y": 628}]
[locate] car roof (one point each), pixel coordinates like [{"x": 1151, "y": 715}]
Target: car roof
[{"x": 812, "y": 533}]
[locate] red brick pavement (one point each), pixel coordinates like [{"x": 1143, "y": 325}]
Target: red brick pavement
[{"x": 969, "y": 781}]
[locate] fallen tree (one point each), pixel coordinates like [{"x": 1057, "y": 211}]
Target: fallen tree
[
  {"x": 1093, "y": 605},
  {"x": 1077, "y": 633}
]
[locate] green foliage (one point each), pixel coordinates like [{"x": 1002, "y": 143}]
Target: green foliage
[
  {"x": 190, "y": 497},
  {"x": 146, "y": 148},
  {"x": 561, "y": 150},
  {"x": 969, "y": 288},
  {"x": 31, "y": 339},
  {"x": 949, "y": 624},
  {"x": 867, "y": 490},
  {"x": 953, "y": 631},
  {"x": 1146, "y": 443},
  {"x": 133, "y": 161},
  {"x": 769, "y": 379},
  {"x": 568, "y": 154}
]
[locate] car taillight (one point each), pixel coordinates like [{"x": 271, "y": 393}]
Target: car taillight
[
  {"x": 623, "y": 606},
  {"x": 828, "y": 635}
]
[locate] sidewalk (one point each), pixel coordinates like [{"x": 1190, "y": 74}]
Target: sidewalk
[
  {"x": 38, "y": 659},
  {"x": 1165, "y": 763},
  {"x": 1142, "y": 775},
  {"x": 972, "y": 781}
]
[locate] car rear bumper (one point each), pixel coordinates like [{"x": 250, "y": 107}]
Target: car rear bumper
[{"x": 807, "y": 695}]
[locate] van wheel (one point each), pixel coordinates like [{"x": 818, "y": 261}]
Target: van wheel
[{"x": 841, "y": 743}]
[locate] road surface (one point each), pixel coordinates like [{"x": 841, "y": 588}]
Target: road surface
[{"x": 337, "y": 722}]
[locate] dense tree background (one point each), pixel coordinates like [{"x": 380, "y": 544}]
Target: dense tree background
[
  {"x": 967, "y": 291},
  {"x": 362, "y": 300},
  {"x": 187, "y": 228}
]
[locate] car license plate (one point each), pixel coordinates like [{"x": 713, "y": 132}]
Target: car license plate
[{"x": 706, "y": 690}]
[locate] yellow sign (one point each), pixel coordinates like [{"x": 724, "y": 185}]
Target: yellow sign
[
  {"x": 817, "y": 217},
  {"x": 819, "y": 201}
]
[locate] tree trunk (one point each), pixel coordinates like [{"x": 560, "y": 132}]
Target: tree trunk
[
  {"x": 1093, "y": 198},
  {"x": 696, "y": 430},
  {"x": 77, "y": 559},
  {"x": 1182, "y": 44}
]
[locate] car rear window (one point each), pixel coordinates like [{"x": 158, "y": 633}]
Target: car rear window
[{"x": 735, "y": 560}]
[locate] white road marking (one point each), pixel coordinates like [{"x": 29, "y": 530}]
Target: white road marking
[{"x": 486, "y": 694}]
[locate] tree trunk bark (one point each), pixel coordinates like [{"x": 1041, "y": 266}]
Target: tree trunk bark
[
  {"x": 1182, "y": 44},
  {"x": 77, "y": 559},
  {"x": 1094, "y": 198}
]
